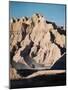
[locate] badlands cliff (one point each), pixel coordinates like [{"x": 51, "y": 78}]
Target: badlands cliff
[{"x": 35, "y": 43}]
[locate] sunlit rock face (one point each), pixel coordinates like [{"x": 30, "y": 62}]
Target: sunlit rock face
[
  {"x": 35, "y": 42},
  {"x": 13, "y": 74}
]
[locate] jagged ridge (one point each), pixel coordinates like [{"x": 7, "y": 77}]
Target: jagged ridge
[{"x": 35, "y": 42}]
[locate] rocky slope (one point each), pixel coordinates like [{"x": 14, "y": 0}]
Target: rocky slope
[{"x": 35, "y": 43}]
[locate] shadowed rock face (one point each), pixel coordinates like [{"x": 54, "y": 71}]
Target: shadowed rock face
[
  {"x": 60, "y": 64},
  {"x": 35, "y": 43}
]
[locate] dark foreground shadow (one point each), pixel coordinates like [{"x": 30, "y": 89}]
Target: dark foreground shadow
[
  {"x": 40, "y": 81},
  {"x": 60, "y": 64}
]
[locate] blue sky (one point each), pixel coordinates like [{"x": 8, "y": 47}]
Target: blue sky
[{"x": 52, "y": 12}]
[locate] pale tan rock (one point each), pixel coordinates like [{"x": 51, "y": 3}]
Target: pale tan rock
[
  {"x": 24, "y": 43},
  {"x": 33, "y": 50},
  {"x": 60, "y": 39},
  {"x": 40, "y": 56},
  {"x": 17, "y": 33},
  {"x": 40, "y": 29},
  {"x": 38, "y": 33},
  {"x": 45, "y": 40},
  {"x": 54, "y": 54},
  {"x": 13, "y": 74},
  {"x": 64, "y": 40},
  {"x": 36, "y": 30},
  {"x": 54, "y": 31},
  {"x": 45, "y": 72},
  {"x": 48, "y": 56}
]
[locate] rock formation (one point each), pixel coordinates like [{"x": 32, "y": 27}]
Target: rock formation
[
  {"x": 35, "y": 42},
  {"x": 13, "y": 74}
]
